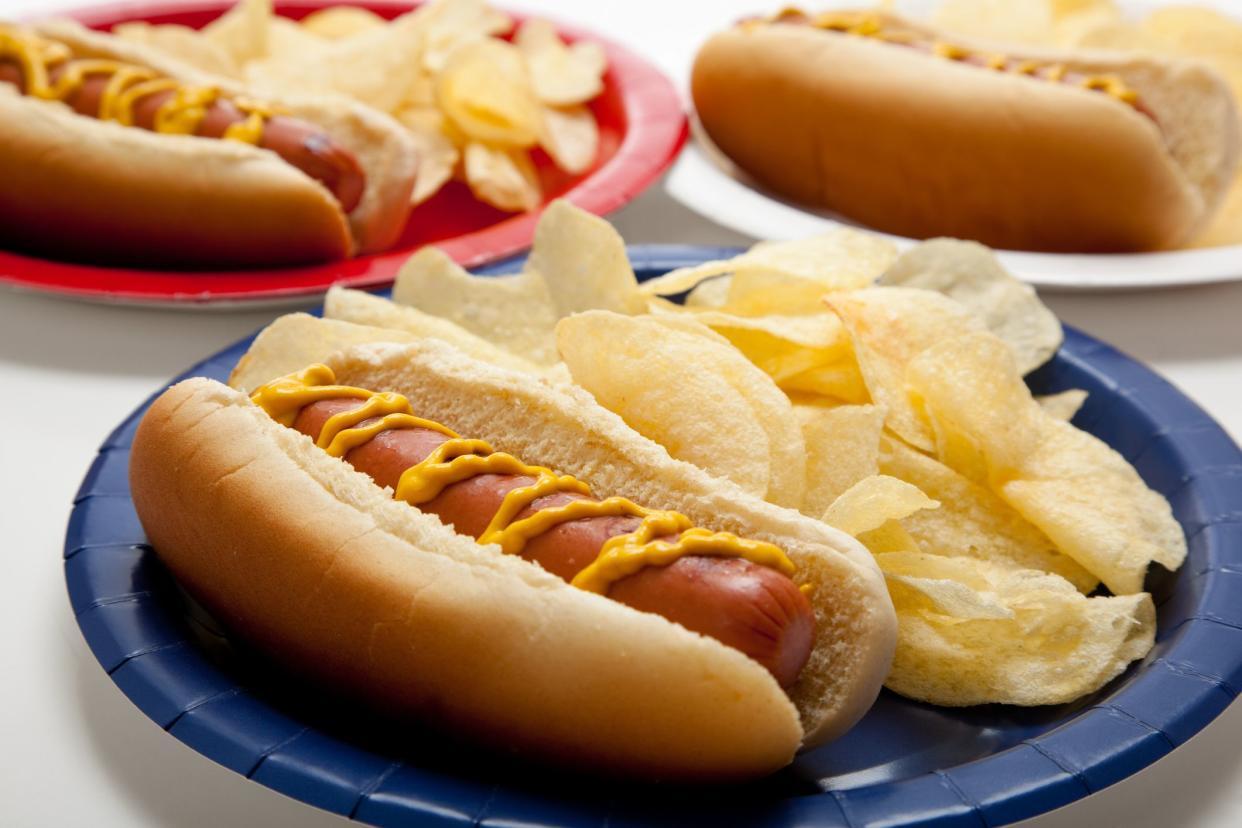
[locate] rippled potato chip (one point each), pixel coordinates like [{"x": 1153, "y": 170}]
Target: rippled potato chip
[
  {"x": 874, "y": 501},
  {"x": 969, "y": 273},
  {"x": 502, "y": 177},
  {"x": 437, "y": 154},
  {"x": 972, "y": 521},
  {"x": 972, "y": 632},
  {"x": 1063, "y": 406},
  {"x": 889, "y": 327},
  {"x": 242, "y": 31},
  {"x": 570, "y": 137},
  {"x": 698, "y": 416},
  {"x": 841, "y": 259},
  {"x": 1082, "y": 494},
  {"x": 485, "y": 89},
  {"x": 782, "y": 346},
  {"x": 337, "y": 22},
  {"x": 296, "y": 340},
  {"x": 363, "y": 308},
  {"x": 842, "y": 448},
  {"x": 515, "y": 313},
  {"x": 582, "y": 259},
  {"x": 189, "y": 45},
  {"x": 562, "y": 75}
]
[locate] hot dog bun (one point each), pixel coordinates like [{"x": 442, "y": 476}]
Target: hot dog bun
[
  {"x": 98, "y": 190},
  {"x": 318, "y": 566},
  {"x": 912, "y": 143}
]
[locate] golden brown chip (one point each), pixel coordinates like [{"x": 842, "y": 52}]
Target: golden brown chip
[
  {"x": 570, "y": 137},
  {"x": 562, "y": 75},
  {"x": 874, "y": 501},
  {"x": 1083, "y": 495},
  {"x": 504, "y": 178},
  {"x": 889, "y": 327},
  {"x": 970, "y": 632},
  {"x": 485, "y": 89},
  {"x": 842, "y": 448},
  {"x": 582, "y": 259}
]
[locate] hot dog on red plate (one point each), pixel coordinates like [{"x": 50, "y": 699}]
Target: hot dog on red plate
[
  {"x": 653, "y": 662},
  {"x": 154, "y": 163}
]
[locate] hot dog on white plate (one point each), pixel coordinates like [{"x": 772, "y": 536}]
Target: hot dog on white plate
[
  {"x": 923, "y": 134},
  {"x": 113, "y": 152},
  {"x": 681, "y": 653}
]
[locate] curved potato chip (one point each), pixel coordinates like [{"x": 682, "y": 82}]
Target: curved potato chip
[
  {"x": 485, "y": 89},
  {"x": 287, "y": 39},
  {"x": 842, "y": 448},
  {"x": 710, "y": 293},
  {"x": 186, "y": 44},
  {"x": 363, "y": 308},
  {"x": 969, "y": 632},
  {"x": 449, "y": 24},
  {"x": 782, "y": 346},
  {"x": 1006, "y": 21},
  {"x": 841, "y": 259},
  {"x": 337, "y": 22},
  {"x": 636, "y": 367},
  {"x": 570, "y": 137},
  {"x": 972, "y": 521},
  {"x": 969, "y": 273},
  {"x": 504, "y": 178},
  {"x": 1063, "y": 406},
  {"x": 295, "y": 340},
  {"x": 437, "y": 156},
  {"x": 873, "y": 501},
  {"x": 242, "y": 30},
  {"x": 582, "y": 259},
  {"x": 562, "y": 75},
  {"x": 1082, "y": 494},
  {"x": 840, "y": 380},
  {"x": 889, "y": 327},
  {"x": 514, "y": 313}
]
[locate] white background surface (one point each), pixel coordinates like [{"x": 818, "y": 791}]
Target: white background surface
[{"x": 74, "y": 751}]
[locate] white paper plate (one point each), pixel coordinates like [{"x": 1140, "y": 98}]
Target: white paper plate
[{"x": 706, "y": 182}]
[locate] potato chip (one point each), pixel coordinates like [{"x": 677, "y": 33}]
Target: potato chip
[
  {"x": 872, "y": 502},
  {"x": 969, "y": 273},
  {"x": 1195, "y": 30},
  {"x": 337, "y": 22},
  {"x": 515, "y": 313},
  {"x": 286, "y": 39},
  {"x": 186, "y": 44},
  {"x": 504, "y": 178},
  {"x": 449, "y": 24},
  {"x": 485, "y": 89},
  {"x": 296, "y": 340},
  {"x": 710, "y": 293},
  {"x": 372, "y": 67},
  {"x": 367, "y": 309},
  {"x": 1083, "y": 495},
  {"x": 570, "y": 137},
  {"x": 841, "y": 380},
  {"x": 782, "y": 346},
  {"x": 1063, "y": 406},
  {"x": 975, "y": 633},
  {"x": 842, "y": 448},
  {"x": 437, "y": 156},
  {"x": 1007, "y": 21},
  {"x": 767, "y": 292},
  {"x": 582, "y": 259},
  {"x": 562, "y": 75},
  {"x": 889, "y": 327},
  {"x": 841, "y": 259},
  {"x": 241, "y": 32},
  {"x": 972, "y": 521},
  {"x": 636, "y": 367}
]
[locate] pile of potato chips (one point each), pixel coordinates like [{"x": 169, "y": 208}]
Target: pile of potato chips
[
  {"x": 880, "y": 393},
  {"x": 477, "y": 105},
  {"x": 1177, "y": 31}
]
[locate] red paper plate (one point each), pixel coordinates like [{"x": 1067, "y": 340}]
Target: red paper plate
[{"x": 642, "y": 128}]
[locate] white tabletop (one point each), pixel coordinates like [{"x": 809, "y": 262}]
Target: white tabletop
[{"x": 74, "y": 751}]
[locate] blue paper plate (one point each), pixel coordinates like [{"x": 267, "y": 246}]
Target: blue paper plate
[{"x": 906, "y": 763}]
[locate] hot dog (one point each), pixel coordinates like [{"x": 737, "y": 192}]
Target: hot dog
[
  {"x": 752, "y": 608},
  {"x": 919, "y": 133},
  {"x": 172, "y": 198},
  {"x": 308, "y": 558}
]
